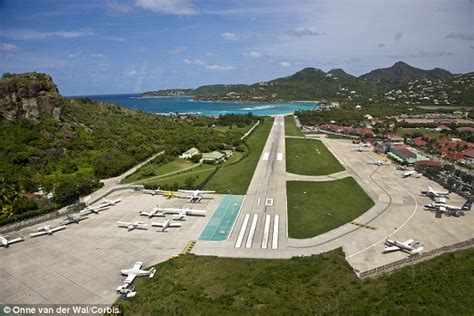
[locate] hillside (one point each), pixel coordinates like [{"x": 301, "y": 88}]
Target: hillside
[
  {"x": 67, "y": 154},
  {"x": 337, "y": 85},
  {"x": 401, "y": 73}
]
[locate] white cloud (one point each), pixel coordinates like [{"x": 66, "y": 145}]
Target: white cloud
[
  {"x": 211, "y": 54},
  {"x": 188, "y": 61},
  {"x": 8, "y": 48},
  {"x": 178, "y": 50},
  {"x": 199, "y": 62},
  {"x": 115, "y": 6},
  {"x": 220, "y": 67},
  {"x": 29, "y": 34},
  {"x": 96, "y": 55},
  {"x": 132, "y": 72},
  {"x": 298, "y": 32},
  {"x": 253, "y": 54},
  {"x": 285, "y": 64},
  {"x": 177, "y": 7},
  {"x": 229, "y": 36}
]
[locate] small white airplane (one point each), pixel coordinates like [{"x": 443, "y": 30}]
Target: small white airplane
[
  {"x": 378, "y": 162},
  {"x": 126, "y": 289},
  {"x": 73, "y": 219},
  {"x": 442, "y": 206},
  {"x": 47, "y": 230},
  {"x": 402, "y": 167},
  {"x": 132, "y": 225},
  {"x": 166, "y": 224},
  {"x": 154, "y": 213},
  {"x": 181, "y": 213},
  {"x": 412, "y": 173},
  {"x": 110, "y": 202},
  {"x": 407, "y": 246},
  {"x": 196, "y": 195},
  {"x": 6, "y": 242},
  {"x": 432, "y": 193},
  {"x": 93, "y": 209}
]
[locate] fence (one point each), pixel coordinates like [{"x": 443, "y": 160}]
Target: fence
[
  {"x": 415, "y": 259},
  {"x": 60, "y": 212}
]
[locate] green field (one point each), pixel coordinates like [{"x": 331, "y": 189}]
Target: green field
[
  {"x": 424, "y": 131},
  {"x": 199, "y": 174},
  {"x": 316, "y": 285},
  {"x": 317, "y": 207},
  {"x": 290, "y": 127},
  {"x": 310, "y": 157},
  {"x": 235, "y": 178},
  {"x": 151, "y": 171}
]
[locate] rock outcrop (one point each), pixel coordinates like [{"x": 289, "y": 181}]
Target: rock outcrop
[{"x": 29, "y": 96}]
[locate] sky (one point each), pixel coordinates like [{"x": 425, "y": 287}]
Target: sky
[{"x": 128, "y": 46}]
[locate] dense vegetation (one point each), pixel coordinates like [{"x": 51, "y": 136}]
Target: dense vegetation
[
  {"x": 89, "y": 141},
  {"x": 317, "y": 207},
  {"x": 316, "y": 285}
]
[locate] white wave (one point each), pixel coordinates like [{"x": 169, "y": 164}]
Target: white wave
[{"x": 260, "y": 107}]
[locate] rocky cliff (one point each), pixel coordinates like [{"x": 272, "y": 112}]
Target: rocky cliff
[{"x": 29, "y": 96}]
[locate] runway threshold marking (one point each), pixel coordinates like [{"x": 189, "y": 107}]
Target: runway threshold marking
[
  {"x": 240, "y": 238},
  {"x": 280, "y": 156},
  {"x": 189, "y": 247},
  {"x": 265, "y": 156},
  {"x": 266, "y": 231},
  {"x": 276, "y": 222},
  {"x": 253, "y": 226}
]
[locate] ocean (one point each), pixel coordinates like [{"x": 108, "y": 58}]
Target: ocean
[{"x": 167, "y": 105}]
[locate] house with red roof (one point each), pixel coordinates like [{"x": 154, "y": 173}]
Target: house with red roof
[
  {"x": 465, "y": 129},
  {"x": 418, "y": 142}
]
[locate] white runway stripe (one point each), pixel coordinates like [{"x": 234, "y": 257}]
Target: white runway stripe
[
  {"x": 252, "y": 231},
  {"x": 242, "y": 231},
  {"x": 280, "y": 156},
  {"x": 266, "y": 232},
  {"x": 265, "y": 156},
  {"x": 276, "y": 221}
]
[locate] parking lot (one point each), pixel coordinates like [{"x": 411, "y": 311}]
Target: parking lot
[{"x": 81, "y": 264}]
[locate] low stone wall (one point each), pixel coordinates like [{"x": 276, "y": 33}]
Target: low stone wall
[
  {"x": 62, "y": 211},
  {"x": 415, "y": 259}
]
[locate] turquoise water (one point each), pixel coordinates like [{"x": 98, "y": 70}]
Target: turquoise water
[
  {"x": 188, "y": 105},
  {"x": 220, "y": 224}
]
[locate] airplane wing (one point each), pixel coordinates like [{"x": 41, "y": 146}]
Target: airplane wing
[
  {"x": 38, "y": 234},
  {"x": 55, "y": 229},
  {"x": 137, "y": 265},
  {"x": 145, "y": 213},
  {"x": 85, "y": 212},
  {"x": 186, "y": 191},
  {"x": 391, "y": 248},
  {"x": 207, "y": 192},
  {"x": 175, "y": 224},
  {"x": 408, "y": 242},
  {"x": 417, "y": 250},
  {"x": 12, "y": 241},
  {"x": 123, "y": 224},
  {"x": 171, "y": 210},
  {"x": 197, "y": 212},
  {"x": 157, "y": 224}
]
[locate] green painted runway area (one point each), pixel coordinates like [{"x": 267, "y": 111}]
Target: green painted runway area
[{"x": 221, "y": 223}]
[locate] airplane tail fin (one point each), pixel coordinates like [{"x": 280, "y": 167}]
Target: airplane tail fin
[{"x": 467, "y": 206}]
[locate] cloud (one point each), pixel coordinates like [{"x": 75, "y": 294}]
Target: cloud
[
  {"x": 132, "y": 72},
  {"x": 299, "y": 32},
  {"x": 8, "y": 48},
  {"x": 96, "y": 55},
  {"x": 381, "y": 45},
  {"x": 178, "y": 50},
  {"x": 211, "y": 54},
  {"x": 285, "y": 64},
  {"x": 398, "y": 36},
  {"x": 220, "y": 67},
  {"x": 115, "y": 6},
  {"x": 421, "y": 54},
  {"x": 229, "y": 36},
  {"x": 30, "y": 34},
  {"x": 253, "y": 54},
  {"x": 176, "y": 7},
  {"x": 188, "y": 61},
  {"x": 461, "y": 36}
]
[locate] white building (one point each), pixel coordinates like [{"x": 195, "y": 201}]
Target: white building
[{"x": 189, "y": 153}]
